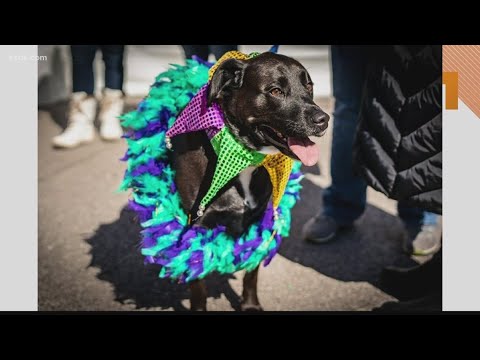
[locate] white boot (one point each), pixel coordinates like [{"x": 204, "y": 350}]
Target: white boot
[
  {"x": 80, "y": 127},
  {"x": 111, "y": 107}
]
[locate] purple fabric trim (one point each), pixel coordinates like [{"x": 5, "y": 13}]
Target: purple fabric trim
[{"x": 197, "y": 116}]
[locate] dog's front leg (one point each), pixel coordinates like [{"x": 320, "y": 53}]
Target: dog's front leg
[
  {"x": 198, "y": 295},
  {"x": 249, "y": 297}
]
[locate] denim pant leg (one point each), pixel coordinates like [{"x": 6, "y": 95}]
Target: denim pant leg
[
  {"x": 199, "y": 50},
  {"x": 113, "y": 59},
  {"x": 345, "y": 199},
  {"x": 82, "y": 67},
  {"x": 414, "y": 217},
  {"x": 219, "y": 50}
]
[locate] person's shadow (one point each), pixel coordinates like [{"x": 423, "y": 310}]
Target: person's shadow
[
  {"x": 59, "y": 110},
  {"x": 115, "y": 250},
  {"x": 356, "y": 255}
]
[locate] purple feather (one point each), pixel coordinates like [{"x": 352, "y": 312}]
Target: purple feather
[
  {"x": 151, "y": 167},
  {"x": 161, "y": 261},
  {"x": 196, "y": 257},
  {"x": 144, "y": 212},
  {"x": 165, "y": 114},
  {"x": 149, "y": 260},
  {"x": 127, "y": 135},
  {"x": 248, "y": 245},
  {"x": 163, "y": 229},
  {"x": 201, "y": 61},
  {"x": 151, "y": 129},
  {"x": 149, "y": 242},
  {"x": 295, "y": 175},
  {"x": 219, "y": 229},
  {"x": 125, "y": 157},
  {"x": 142, "y": 106},
  {"x": 267, "y": 220},
  {"x": 189, "y": 235},
  {"x": 273, "y": 252}
]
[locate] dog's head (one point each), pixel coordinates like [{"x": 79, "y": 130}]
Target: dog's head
[{"x": 268, "y": 105}]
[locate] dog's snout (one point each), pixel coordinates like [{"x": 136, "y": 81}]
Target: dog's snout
[{"x": 321, "y": 119}]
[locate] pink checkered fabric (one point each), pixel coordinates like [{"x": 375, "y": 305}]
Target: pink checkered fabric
[{"x": 196, "y": 116}]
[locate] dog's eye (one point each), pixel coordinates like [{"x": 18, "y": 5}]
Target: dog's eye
[
  {"x": 310, "y": 87},
  {"x": 276, "y": 92}
]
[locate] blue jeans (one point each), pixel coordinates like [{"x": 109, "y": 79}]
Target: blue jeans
[
  {"x": 346, "y": 198},
  {"x": 202, "y": 51},
  {"x": 82, "y": 66}
]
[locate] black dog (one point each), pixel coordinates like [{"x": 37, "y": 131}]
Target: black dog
[{"x": 268, "y": 105}]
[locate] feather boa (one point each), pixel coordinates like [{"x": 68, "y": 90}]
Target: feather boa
[{"x": 183, "y": 253}]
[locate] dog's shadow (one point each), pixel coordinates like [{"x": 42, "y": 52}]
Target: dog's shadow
[
  {"x": 115, "y": 251},
  {"x": 358, "y": 255}
]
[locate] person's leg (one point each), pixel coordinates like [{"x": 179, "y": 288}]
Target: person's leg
[
  {"x": 344, "y": 201},
  {"x": 83, "y": 105},
  {"x": 430, "y": 218},
  {"x": 411, "y": 216},
  {"x": 82, "y": 68},
  {"x": 111, "y": 106},
  {"x": 113, "y": 59},
  {"x": 423, "y": 235},
  {"x": 199, "y": 50},
  {"x": 219, "y": 50}
]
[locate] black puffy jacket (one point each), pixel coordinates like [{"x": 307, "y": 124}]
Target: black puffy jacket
[{"x": 398, "y": 146}]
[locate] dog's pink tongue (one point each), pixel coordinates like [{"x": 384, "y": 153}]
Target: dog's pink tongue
[{"x": 306, "y": 150}]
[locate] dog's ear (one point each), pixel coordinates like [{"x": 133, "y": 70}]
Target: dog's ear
[{"x": 229, "y": 75}]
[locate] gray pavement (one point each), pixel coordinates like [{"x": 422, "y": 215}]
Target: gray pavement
[{"x": 89, "y": 257}]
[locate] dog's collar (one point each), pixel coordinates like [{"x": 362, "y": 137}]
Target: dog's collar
[{"x": 233, "y": 156}]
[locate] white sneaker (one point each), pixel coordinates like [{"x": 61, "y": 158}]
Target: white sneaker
[
  {"x": 80, "y": 127},
  {"x": 111, "y": 107}
]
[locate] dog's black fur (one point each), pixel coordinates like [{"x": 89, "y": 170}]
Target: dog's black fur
[{"x": 261, "y": 98}]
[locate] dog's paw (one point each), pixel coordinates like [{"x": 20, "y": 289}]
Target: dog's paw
[{"x": 251, "y": 307}]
